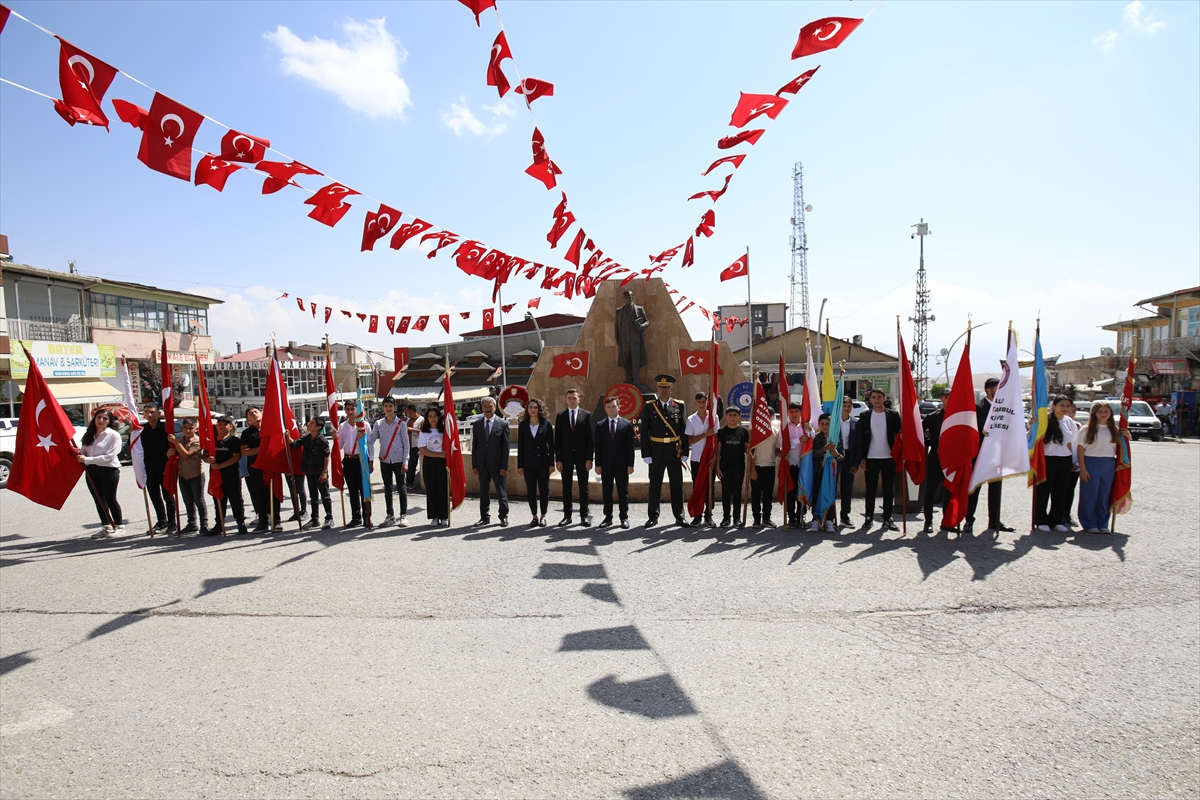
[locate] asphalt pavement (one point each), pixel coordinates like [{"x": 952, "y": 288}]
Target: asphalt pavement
[{"x": 572, "y": 662}]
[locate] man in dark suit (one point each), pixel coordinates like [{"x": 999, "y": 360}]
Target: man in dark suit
[
  {"x": 877, "y": 432},
  {"x": 982, "y": 410},
  {"x": 614, "y": 460},
  {"x": 490, "y": 445},
  {"x": 932, "y": 425},
  {"x": 664, "y": 448},
  {"x": 574, "y": 444},
  {"x": 849, "y": 445}
]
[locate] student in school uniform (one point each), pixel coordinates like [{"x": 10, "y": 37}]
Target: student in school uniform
[
  {"x": 821, "y": 446},
  {"x": 1052, "y": 496},
  {"x": 1097, "y": 445},
  {"x": 732, "y": 441}
]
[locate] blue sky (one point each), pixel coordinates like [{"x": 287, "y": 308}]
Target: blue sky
[{"x": 1053, "y": 148}]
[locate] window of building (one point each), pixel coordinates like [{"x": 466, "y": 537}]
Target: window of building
[{"x": 111, "y": 311}]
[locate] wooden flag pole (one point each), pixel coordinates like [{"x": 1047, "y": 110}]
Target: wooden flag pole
[
  {"x": 903, "y": 465},
  {"x": 712, "y": 410},
  {"x": 146, "y": 498},
  {"x": 1033, "y": 419},
  {"x": 336, "y": 425}
]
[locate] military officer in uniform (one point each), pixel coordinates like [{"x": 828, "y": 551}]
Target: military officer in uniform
[{"x": 665, "y": 448}]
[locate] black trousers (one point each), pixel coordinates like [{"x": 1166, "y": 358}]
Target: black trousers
[
  {"x": 318, "y": 490},
  {"x": 433, "y": 473},
  {"x": 762, "y": 493},
  {"x": 1072, "y": 483},
  {"x": 352, "y": 473},
  {"x": 934, "y": 488},
  {"x": 994, "y": 490},
  {"x": 164, "y": 503},
  {"x": 619, "y": 476},
  {"x": 231, "y": 487},
  {"x": 795, "y": 506},
  {"x": 414, "y": 456},
  {"x": 665, "y": 459},
  {"x": 261, "y": 496},
  {"x": 880, "y": 468},
  {"x": 537, "y": 488},
  {"x": 569, "y": 474},
  {"x": 389, "y": 472},
  {"x": 1051, "y": 495},
  {"x": 846, "y": 478},
  {"x": 732, "y": 478},
  {"x": 103, "y": 483},
  {"x": 486, "y": 478},
  {"x": 191, "y": 494}
]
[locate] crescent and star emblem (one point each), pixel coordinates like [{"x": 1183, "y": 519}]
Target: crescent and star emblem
[
  {"x": 384, "y": 221},
  {"x": 692, "y": 362},
  {"x": 38, "y": 412},
  {"x": 249, "y": 145},
  {"x": 837, "y": 26},
  {"x": 87, "y": 65},
  {"x": 163, "y": 126},
  {"x": 575, "y": 363},
  {"x": 761, "y": 107}
]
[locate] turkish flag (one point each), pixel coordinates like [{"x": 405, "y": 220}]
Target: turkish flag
[
  {"x": 213, "y": 171},
  {"x": 445, "y": 320},
  {"x": 373, "y": 325},
  {"x": 532, "y": 272},
  {"x": 561, "y": 208},
  {"x": 751, "y": 106},
  {"x": 4, "y": 12},
  {"x": 44, "y": 468},
  {"x": 544, "y": 172},
  {"x": 495, "y": 76},
  {"x": 478, "y": 7},
  {"x": 402, "y": 325},
  {"x": 735, "y": 160},
  {"x": 391, "y": 324},
  {"x": 329, "y": 215},
  {"x": 707, "y": 223},
  {"x": 561, "y": 224},
  {"x": 135, "y": 115},
  {"x": 329, "y": 206},
  {"x": 909, "y": 450},
  {"x": 573, "y": 252},
  {"x": 238, "y": 146},
  {"x": 331, "y": 405},
  {"x": 453, "y": 448},
  {"x": 167, "y": 134},
  {"x": 744, "y": 136},
  {"x": 378, "y": 224},
  {"x": 444, "y": 239},
  {"x": 533, "y": 88},
  {"x": 566, "y": 364},
  {"x": 464, "y": 315},
  {"x": 508, "y": 307},
  {"x": 166, "y": 383},
  {"x": 407, "y": 231},
  {"x": 313, "y": 306},
  {"x": 696, "y": 362},
  {"x": 737, "y": 269},
  {"x": 533, "y": 302},
  {"x": 797, "y": 83},
  {"x": 277, "y": 429},
  {"x": 958, "y": 443},
  {"x": 83, "y": 79},
  {"x": 281, "y": 174},
  {"x": 420, "y": 324},
  {"x": 328, "y": 314},
  {"x": 361, "y": 317},
  {"x": 475, "y": 259},
  {"x": 489, "y": 318},
  {"x": 666, "y": 255},
  {"x": 300, "y": 303},
  {"x": 689, "y": 252},
  {"x": 713, "y": 194},
  {"x": 548, "y": 277},
  {"x": 824, "y": 34}
]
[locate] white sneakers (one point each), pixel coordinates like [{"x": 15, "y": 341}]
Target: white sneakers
[
  {"x": 403, "y": 523},
  {"x": 830, "y": 527},
  {"x": 388, "y": 520},
  {"x": 816, "y": 526},
  {"x": 108, "y": 531},
  {"x": 1062, "y": 528},
  {"x": 1043, "y": 528}
]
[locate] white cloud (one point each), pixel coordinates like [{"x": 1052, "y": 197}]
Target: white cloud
[
  {"x": 365, "y": 74},
  {"x": 1106, "y": 41},
  {"x": 460, "y": 118},
  {"x": 1136, "y": 18},
  {"x": 502, "y": 109}
]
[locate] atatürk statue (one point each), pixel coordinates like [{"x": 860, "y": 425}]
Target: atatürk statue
[{"x": 631, "y": 347}]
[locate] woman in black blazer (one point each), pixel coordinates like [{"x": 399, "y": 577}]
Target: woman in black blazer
[{"x": 535, "y": 457}]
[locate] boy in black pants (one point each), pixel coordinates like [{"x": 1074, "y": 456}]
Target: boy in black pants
[
  {"x": 732, "y": 441},
  {"x": 314, "y": 462}
]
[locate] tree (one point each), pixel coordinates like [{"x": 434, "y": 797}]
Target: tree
[
  {"x": 151, "y": 379},
  {"x": 936, "y": 390}
]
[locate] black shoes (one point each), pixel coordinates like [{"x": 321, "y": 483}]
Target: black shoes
[
  {"x": 313, "y": 524},
  {"x": 683, "y": 523},
  {"x": 566, "y": 520},
  {"x": 928, "y": 527},
  {"x": 189, "y": 528},
  {"x": 585, "y": 521},
  {"x": 889, "y": 525},
  {"x": 606, "y": 522},
  {"x": 1004, "y": 528},
  {"x": 625, "y": 524},
  {"x": 968, "y": 527},
  {"x": 484, "y": 521},
  {"x": 651, "y": 522},
  {"x": 504, "y": 522},
  {"x": 354, "y": 522}
]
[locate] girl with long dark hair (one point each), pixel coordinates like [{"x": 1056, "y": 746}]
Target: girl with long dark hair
[
  {"x": 432, "y": 445},
  {"x": 1052, "y": 496},
  {"x": 535, "y": 458},
  {"x": 1096, "y": 443},
  {"x": 101, "y": 447}
]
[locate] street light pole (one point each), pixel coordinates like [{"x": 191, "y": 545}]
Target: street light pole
[
  {"x": 503, "y": 357},
  {"x": 946, "y": 353},
  {"x": 529, "y": 317}
]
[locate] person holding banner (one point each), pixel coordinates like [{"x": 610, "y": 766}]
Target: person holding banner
[
  {"x": 431, "y": 445},
  {"x": 995, "y": 488},
  {"x": 191, "y": 477},
  {"x": 821, "y": 446},
  {"x": 101, "y": 446},
  {"x": 794, "y": 514},
  {"x": 348, "y": 435},
  {"x": 1097, "y": 445},
  {"x": 762, "y": 473},
  {"x": 697, "y": 431},
  {"x": 226, "y": 461}
]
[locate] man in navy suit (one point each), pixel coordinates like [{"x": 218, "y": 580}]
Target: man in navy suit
[
  {"x": 573, "y": 448},
  {"x": 490, "y": 445},
  {"x": 614, "y": 460}
]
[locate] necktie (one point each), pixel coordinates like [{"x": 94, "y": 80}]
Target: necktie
[
  {"x": 487, "y": 428},
  {"x": 572, "y": 420},
  {"x": 612, "y": 429}
]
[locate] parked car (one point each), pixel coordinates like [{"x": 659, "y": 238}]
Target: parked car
[
  {"x": 8, "y": 447},
  {"x": 8, "y": 423},
  {"x": 1142, "y": 421},
  {"x": 927, "y": 407},
  {"x": 857, "y": 407}
]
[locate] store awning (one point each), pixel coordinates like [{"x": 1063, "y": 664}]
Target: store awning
[{"x": 82, "y": 390}]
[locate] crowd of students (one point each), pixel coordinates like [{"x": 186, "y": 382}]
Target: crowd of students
[{"x": 1078, "y": 458}]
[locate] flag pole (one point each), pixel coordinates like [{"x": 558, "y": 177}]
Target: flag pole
[
  {"x": 712, "y": 409},
  {"x": 503, "y": 357},
  {"x": 903, "y": 464},
  {"x": 749, "y": 311},
  {"x": 449, "y": 488},
  {"x": 133, "y": 411},
  {"x": 335, "y": 424},
  {"x": 1037, "y": 335},
  {"x": 749, "y": 455}
]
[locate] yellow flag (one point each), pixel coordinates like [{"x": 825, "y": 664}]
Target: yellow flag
[{"x": 828, "y": 383}]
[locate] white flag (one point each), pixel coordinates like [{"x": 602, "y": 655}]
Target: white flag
[
  {"x": 135, "y": 430},
  {"x": 1004, "y": 452}
]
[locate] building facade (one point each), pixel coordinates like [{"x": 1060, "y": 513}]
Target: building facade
[
  {"x": 238, "y": 381},
  {"x": 766, "y": 320},
  {"x": 1166, "y": 344}
]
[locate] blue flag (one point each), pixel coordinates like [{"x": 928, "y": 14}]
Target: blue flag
[
  {"x": 363, "y": 458},
  {"x": 829, "y": 475}
]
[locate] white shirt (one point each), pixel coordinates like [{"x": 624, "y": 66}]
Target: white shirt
[
  {"x": 104, "y": 450},
  {"x": 879, "y": 444},
  {"x": 533, "y": 428},
  {"x": 794, "y": 434},
  {"x": 764, "y": 451},
  {"x": 348, "y": 440},
  {"x": 431, "y": 441},
  {"x": 1103, "y": 447},
  {"x": 846, "y": 435},
  {"x": 1069, "y": 429},
  {"x": 696, "y": 426}
]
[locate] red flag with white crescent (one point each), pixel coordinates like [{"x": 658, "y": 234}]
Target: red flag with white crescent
[
  {"x": 83, "y": 79},
  {"x": 713, "y": 194},
  {"x": 752, "y": 106},
  {"x": 783, "y": 476},
  {"x": 478, "y": 7},
  {"x": 824, "y": 34},
  {"x": 797, "y": 83},
  {"x": 452, "y": 446},
  {"x": 737, "y": 269},
  {"x": 378, "y": 224},
  {"x": 567, "y": 364},
  {"x": 167, "y": 135},
  {"x": 214, "y": 171},
  {"x": 533, "y": 88},
  {"x": 909, "y": 449},
  {"x": 958, "y": 442},
  {"x": 238, "y": 146},
  {"x": 735, "y": 160},
  {"x": 44, "y": 467},
  {"x": 495, "y": 75},
  {"x": 749, "y": 137},
  {"x": 332, "y": 406}
]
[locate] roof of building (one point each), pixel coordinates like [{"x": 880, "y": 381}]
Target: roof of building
[
  {"x": 1169, "y": 298},
  {"x": 545, "y": 322},
  {"x": 93, "y": 282},
  {"x": 793, "y": 340},
  {"x": 261, "y": 354}
]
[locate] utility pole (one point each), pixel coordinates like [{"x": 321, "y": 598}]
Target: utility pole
[
  {"x": 799, "y": 276},
  {"x": 921, "y": 318}
]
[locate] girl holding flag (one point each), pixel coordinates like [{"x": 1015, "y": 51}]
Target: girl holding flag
[
  {"x": 101, "y": 445},
  {"x": 1097, "y": 446},
  {"x": 1052, "y": 496},
  {"x": 432, "y": 443}
]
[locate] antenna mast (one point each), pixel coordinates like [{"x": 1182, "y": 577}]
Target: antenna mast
[
  {"x": 921, "y": 318},
  {"x": 799, "y": 276}
]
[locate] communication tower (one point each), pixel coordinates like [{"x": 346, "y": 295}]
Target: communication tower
[
  {"x": 921, "y": 318},
  {"x": 799, "y": 276}
]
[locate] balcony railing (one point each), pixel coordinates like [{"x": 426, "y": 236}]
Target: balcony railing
[
  {"x": 1179, "y": 346},
  {"x": 45, "y": 330}
]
